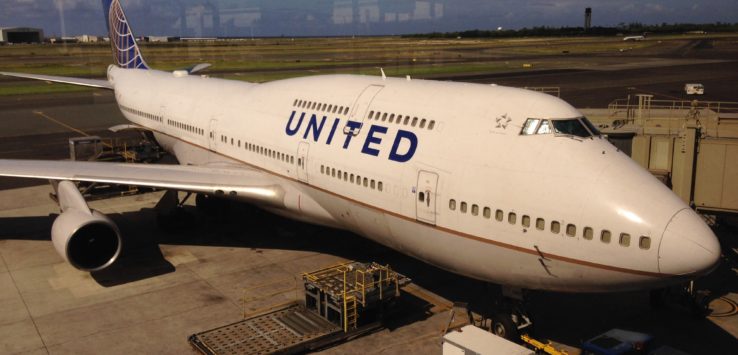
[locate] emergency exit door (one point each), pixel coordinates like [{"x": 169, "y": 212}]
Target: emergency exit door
[
  {"x": 426, "y": 196},
  {"x": 302, "y": 156}
]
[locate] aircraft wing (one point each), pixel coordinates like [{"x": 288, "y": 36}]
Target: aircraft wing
[
  {"x": 240, "y": 182},
  {"x": 95, "y": 83}
]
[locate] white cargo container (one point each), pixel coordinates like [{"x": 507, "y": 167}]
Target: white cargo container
[{"x": 471, "y": 340}]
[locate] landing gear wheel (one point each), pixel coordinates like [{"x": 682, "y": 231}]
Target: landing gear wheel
[{"x": 503, "y": 326}]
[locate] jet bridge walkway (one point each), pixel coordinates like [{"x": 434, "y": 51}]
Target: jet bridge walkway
[{"x": 342, "y": 302}]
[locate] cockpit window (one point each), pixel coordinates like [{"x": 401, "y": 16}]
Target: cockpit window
[
  {"x": 572, "y": 127},
  {"x": 579, "y": 127},
  {"x": 530, "y": 126},
  {"x": 545, "y": 127},
  {"x": 590, "y": 126}
]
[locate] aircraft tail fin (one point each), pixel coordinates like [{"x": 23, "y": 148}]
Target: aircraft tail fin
[{"x": 125, "y": 50}]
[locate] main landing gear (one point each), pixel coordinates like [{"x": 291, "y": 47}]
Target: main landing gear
[{"x": 510, "y": 318}]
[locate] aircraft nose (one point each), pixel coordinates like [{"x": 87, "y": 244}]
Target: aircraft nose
[{"x": 688, "y": 246}]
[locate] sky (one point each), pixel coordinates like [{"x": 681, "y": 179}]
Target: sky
[{"x": 207, "y": 18}]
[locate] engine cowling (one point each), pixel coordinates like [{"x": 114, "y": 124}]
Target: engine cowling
[{"x": 85, "y": 238}]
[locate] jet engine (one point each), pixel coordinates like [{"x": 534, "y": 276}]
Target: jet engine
[{"x": 85, "y": 238}]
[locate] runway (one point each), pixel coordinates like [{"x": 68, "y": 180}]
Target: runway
[{"x": 169, "y": 285}]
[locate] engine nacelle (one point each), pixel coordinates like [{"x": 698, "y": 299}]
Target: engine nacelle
[{"x": 87, "y": 239}]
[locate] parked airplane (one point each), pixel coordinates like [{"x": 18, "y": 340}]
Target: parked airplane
[
  {"x": 634, "y": 38},
  {"x": 495, "y": 183}
]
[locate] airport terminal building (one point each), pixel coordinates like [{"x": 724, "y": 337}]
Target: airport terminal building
[{"x": 21, "y": 35}]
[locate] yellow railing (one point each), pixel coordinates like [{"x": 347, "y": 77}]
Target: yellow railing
[{"x": 354, "y": 292}]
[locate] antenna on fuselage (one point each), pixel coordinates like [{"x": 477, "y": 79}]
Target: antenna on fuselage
[{"x": 384, "y": 77}]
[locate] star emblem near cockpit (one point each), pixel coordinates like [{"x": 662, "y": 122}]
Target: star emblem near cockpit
[{"x": 503, "y": 121}]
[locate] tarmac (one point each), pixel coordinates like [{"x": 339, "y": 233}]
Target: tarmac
[{"x": 169, "y": 285}]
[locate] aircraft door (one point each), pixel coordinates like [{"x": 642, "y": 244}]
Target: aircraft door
[
  {"x": 212, "y": 140},
  {"x": 359, "y": 110},
  {"x": 302, "y": 156},
  {"x": 426, "y": 196},
  {"x": 162, "y": 115}
]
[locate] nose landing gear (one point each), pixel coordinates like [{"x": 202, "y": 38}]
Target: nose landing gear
[{"x": 684, "y": 296}]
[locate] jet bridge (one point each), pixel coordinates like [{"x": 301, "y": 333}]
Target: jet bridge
[{"x": 691, "y": 146}]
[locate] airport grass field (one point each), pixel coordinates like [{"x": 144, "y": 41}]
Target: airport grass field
[{"x": 260, "y": 60}]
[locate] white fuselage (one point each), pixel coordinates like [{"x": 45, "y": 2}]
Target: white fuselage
[{"x": 453, "y": 182}]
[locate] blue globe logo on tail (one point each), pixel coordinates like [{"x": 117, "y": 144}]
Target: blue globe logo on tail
[{"x": 125, "y": 50}]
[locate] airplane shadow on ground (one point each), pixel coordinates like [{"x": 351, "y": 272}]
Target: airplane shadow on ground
[{"x": 565, "y": 318}]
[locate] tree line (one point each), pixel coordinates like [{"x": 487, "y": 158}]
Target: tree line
[{"x": 621, "y": 29}]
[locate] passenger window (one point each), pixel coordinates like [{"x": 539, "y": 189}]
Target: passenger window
[
  {"x": 373, "y": 184},
  {"x": 322, "y": 169},
  {"x": 555, "y": 227},
  {"x": 421, "y": 196},
  {"x": 422, "y": 123},
  {"x": 339, "y": 174},
  {"x": 526, "y": 221},
  {"x": 345, "y": 111},
  {"x": 391, "y": 118},
  {"x": 432, "y": 124},
  {"x": 588, "y": 233},
  {"x": 511, "y": 218},
  {"x": 499, "y": 215},
  {"x": 463, "y": 207},
  {"x": 371, "y": 114},
  {"x": 351, "y": 178},
  {"x": 384, "y": 117},
  {"x": 540, "y": 224},
  {"x": 407, "y": 119},
  {"x": 487, "y": 212},
  {"x": 571, "y": 230},
  {"x": 379, "y": 186},
  {"x": 345, "y": 176},
  {"x": 366, "y": 182},
  {"x": 475, "y": 210},
  {"x": 452, "y": 205},
  {"x": 605, "y": 236},
  {"x": 625, "y": 239},
  {"x": 333, "y": 172},
  {"x": 644, "y": 243},
  {"x": 415, "y": 121}
]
